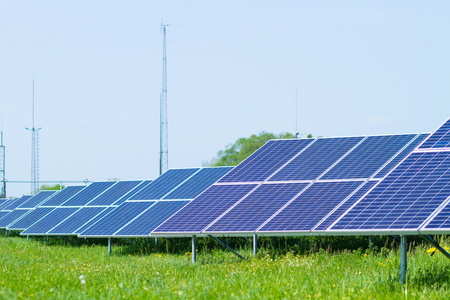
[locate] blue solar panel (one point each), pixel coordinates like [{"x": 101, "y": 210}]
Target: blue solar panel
[
  {"x": 49, "y": 221},
  {"x": 95, "y": 219},
  {"x": 266, "y": 160},
  {"x": 89, "y": 193},
  {"x": 368, "y": 157},
  {"x": 405, "y": 198},
  {"x": 346, "y": 205},
  {"x": 311, "y": 206},
  {"x": 16, "y": 203},
  {"x": 151, "y": 218},
  {"x": 31, "y": 218},
  {"x": 441, "y": 220},
  {"x": 198, "y": 183},
  {"x": 401, "y": 156},
  {"x": 63, "y": 196},
  {"x": 204, "y": 209},
  {"x": 11, "y": 217},
  {"x": 136, "y": 190},
  {"x": 117, "y": 218},
  {"x": 4, "y": 213},
  {"x": 71, "y": 224},
  {"x": 316, "y": 159},
  {"x": 164, "y": 184},
  {"x": 37, "y": 199},
  {"x": 439, "y": 139},
  {"x": 255, "y": 209},
  {"x": 6, "y": 202},
  {"x": 119, "y": 190}
]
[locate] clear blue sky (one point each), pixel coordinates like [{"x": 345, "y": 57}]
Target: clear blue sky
[{"x": 360, "y": 67}]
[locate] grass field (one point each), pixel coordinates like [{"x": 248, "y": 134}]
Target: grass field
[{"x": 33, "y": 269}]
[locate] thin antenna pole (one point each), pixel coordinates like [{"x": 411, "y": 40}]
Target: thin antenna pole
[
  {"x": 34, "y": 148},
  {"x": 2, "y": 165},
  {"x": 164, "y": 145},
  {"x": 296, "y": 113}
]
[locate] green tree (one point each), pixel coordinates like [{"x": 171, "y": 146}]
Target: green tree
[
  {"x": 234, "y": 153},
  {"x": 55, "y": 187}
]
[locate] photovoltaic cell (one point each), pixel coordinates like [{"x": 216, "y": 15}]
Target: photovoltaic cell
[
  {"x": 204, "y": 209},
  {"x": 346, "y": 205},
  {"x": 164, "y": 184},
  {"x": 151, "y": 218},
  {"x": 11, "y": 217},
  {"x": 37, "y": 199},
  {"x": 117, "y": 218},
  {"x": 401, "y": 156},
  {"x": 89, "y": 193},
  {"x": 311, "y": 206},
  {"x": 198, "y": 183},
  {"x": 136, "y": 190},
  {"x": 266, "y": 160},
  {"x": 49, "y": 221},
  {"x": 31, "y": 218},
  {"x": 71, "y": 224},
  {"x": 95, "y": 219},
  {"x": 3, "y": 213},
  {"x": 368, "y": 157},
  {"x": 316, "y": 159},
  {"x": 441, "y": 220},
  {"x": 405, "y": 198},
  {"x": 119, "y": 190},
  {"x": 17, "y": 203},
  {"x": 439, "y": 139},
  {"x": 63, "y": 196},
  {"x": 255, "y": 209}
]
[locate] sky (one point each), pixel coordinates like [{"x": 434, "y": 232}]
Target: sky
[{"x": 359, "y": 68}]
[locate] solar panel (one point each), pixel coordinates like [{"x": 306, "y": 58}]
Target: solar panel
[
  {"x": 266, "y": 160},
  {"x": 150, "y": 219},
  {"x": 89, "y": 193},
  {"x": 116, "y": 219},
  {"x": 439, "y": 139},
  {"x": 63, "y": 196},
  {"x": 136, "y": 190},
  {"x": 310, "y": 207},
  {"x": 52, "y": 219},
  {"x": 164, "y": 184},
  {"x": 198, "y": 183},
  {"x": 119, "y": 190},
  {"x": 4, "y": 213},
  {"x": 29, "y": 219},
  {"x": 5, "y": 202},
  {"x": 316, "y": 159},
  {"x": 368, "y": 157},
  {"x": 37, "y": 199},
  {"x": 16, "y": 203},
  {"x": 95, "y": 219},
  {"x": 70, "y": 225},
  {"x": 209, "y": 205},
  {"x": 11, "y": 217},
  {"x": 408, "y": 149},
  {"x": 340, "y": 209},
  {"x": 255, "y": 209}
]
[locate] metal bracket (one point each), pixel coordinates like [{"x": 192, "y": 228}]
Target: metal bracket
[{"x": 226, "y": 246}]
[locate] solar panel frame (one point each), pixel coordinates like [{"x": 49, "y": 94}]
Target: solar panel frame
[
  {"x": 431, "y": 141},
  {"x": 72, "y": 224},
  {"x": 30, "y": 218},
  {"x": 51, "y": 220}
]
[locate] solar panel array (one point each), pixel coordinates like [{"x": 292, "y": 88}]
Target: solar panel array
[
  {"x": 145, "y": 210},
  {"x": 291, "y": 186},
  {"x": 413, "y": 198}
]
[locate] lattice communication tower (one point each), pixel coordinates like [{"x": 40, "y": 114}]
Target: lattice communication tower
[
  {"x": 164, "y": 145},
  {"x": 34, "y": 151}
]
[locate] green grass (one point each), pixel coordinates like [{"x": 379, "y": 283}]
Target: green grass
[{"x": 35, "y": 270}]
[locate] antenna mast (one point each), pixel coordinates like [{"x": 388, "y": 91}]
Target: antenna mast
[
  {"x": 2, "y": 166},
  {"x": 34, "y": 150},
  {"x": 164, "y": 145}
]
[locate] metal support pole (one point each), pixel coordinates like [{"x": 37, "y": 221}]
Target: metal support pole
[
  {"x": 255, "y": 244},
  {"x": 436, "y": 244},
  {"x": 47, "y": 239},
  {"x": 28, "y": 238},
  {"x": 194, "y": 249},
  {"x": 6, "y": 232},
  {"x": 109, "y": 246},
  {"x": 156, "y": 241},
  {"x": 228, "y": 248},
  {"x": 370, "y": 242},
  {"x": 403, "y": 259}
]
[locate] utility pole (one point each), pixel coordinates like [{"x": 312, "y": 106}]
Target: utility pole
[
  {"x": 34, "y": 149},
  {"x": 164, "y": 145}
]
